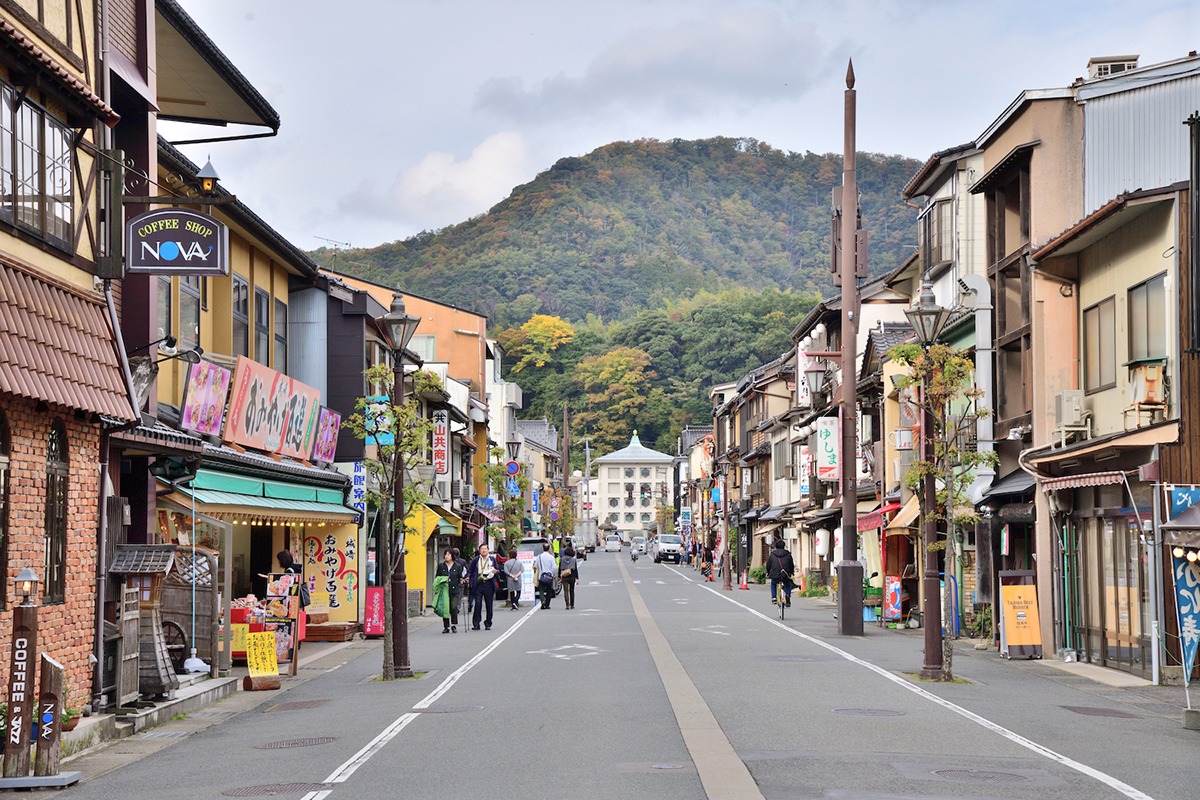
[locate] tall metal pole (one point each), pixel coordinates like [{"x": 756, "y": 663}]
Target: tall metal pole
[
  {"x": 931, "y": 608},
  {"x": 399, "y": 576},
  {"x": 849, "y": 571}
]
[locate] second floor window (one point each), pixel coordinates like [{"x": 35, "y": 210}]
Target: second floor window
[
  {"x": 262, "y": 327},
  {"x": 1148, "y": 319},
  {"x": 241, "y": 316},
  {"x": 37, "y": 189},
  {"x": 1099, "y": 345},
  {"x": 162, "y": 300},
  {"x": 281, "y": 311},
  {"x": 189, "y": 311},
  {"x": 58, "y": 474}
]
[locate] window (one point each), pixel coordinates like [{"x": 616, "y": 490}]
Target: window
[
  {"x": 613, "y": 502},
  {"x": 629, "y": 472},
  {"x": 241, "y": 316},
  {"x": 262, "y": 327},
  {"x": 4, "y": 451},
  {"x": 189, "y": 312},
  {"x": 779, "y": 461},
  {"x": 1099, "y": 345},
  {"x": 613, "y": 517},
  {"x": 57, "y": 478},
  {"x": 645, "y": 517},
  {"x": 629, "y": 517},
  {"x": 425, "y": 346},
  {"x": 1148, "y": 319},
  {"x": 645, "y": 472},
  {"x": 281, "y": 312},
  {"x": 162, "y": 293},
  {"x": 36, "y": 161},
  {"x": 937, "y": 229}
]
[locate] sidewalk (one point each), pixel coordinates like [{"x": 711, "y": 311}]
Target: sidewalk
[{"x": 199, "y": 703}]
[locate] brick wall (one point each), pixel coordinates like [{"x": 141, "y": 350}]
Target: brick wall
[{"x": 66, "y": 631}]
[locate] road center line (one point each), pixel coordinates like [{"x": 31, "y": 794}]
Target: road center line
[
  {"x": 1012, "y": 736},
  {"x": 722, "y": 773}
]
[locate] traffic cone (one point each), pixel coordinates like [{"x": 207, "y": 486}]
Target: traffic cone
[{"x": 744, "y": 584}]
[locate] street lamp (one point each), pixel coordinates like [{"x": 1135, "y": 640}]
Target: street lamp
[
  {"x": 814, "y": 375},
  {"x": 513, "y": 446},
  {"x": 928, "y": 319},
  {"x": 400, "y": 328}
]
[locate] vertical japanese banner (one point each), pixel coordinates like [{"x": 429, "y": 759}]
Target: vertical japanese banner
[
  {"x": 805, "y": 470},
  {"x": 441, "y": 443},
  {"x": 1187, "y": 605},
  {"x": 829, "y": 465}
]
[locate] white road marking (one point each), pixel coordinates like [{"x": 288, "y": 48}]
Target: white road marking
[
  {"x": 1012, "y": 736},
  {"x": 557, "y": 652},
  {"x": 711, "y": 629}
]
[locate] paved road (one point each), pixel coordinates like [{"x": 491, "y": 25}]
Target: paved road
[{"x": 658, "y": 685}]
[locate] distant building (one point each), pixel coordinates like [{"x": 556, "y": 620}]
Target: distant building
[{"x": 633, "y": 482}]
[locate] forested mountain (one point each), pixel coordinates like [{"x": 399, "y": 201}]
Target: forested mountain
[
  {"x": 626, "y": 283},
  {"x": 634, "y": 223}
]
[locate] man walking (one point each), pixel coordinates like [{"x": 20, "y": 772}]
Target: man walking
[
  {"x": 481, "y": 577},
  {"x": 780, "y": 567},
  {"x": 545, "y": 568}
]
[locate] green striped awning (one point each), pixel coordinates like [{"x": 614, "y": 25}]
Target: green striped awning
[{"x": 240, "y": 497}]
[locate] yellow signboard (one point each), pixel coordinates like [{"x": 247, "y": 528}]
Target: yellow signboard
[
  {"x": 260, "y": 654},
  {"x": 240, "y": 631},
  {"x": 1020, "y": 626}
]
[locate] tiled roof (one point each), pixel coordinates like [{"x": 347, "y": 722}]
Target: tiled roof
[
  {"x": 56, "y": 345},
  {"x": 74, "y": 88}
]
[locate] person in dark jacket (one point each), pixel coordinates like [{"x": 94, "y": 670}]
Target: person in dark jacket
[
  {"x": 481, "y": 579},
  {"x": 568, "y": 573},
  {"x": 453, "y": 570},
  {"x": 780, "y": 568}
]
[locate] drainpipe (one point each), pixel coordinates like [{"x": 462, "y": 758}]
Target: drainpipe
[{"x": 978, "y": 286}]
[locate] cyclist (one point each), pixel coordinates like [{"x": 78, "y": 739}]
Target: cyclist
[{"x": 780, "y": 567}]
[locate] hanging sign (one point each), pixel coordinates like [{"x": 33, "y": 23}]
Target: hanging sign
[
  {"x": 805, "y": 470},
  {"x": 329, "y": 422},
  {"x": 204, "y": 395},
  {"x": 1187, "y": 606},
  {"x": 829, "y": 466},
  {"x": 271, "y": 412},
  {"x": 441, "y": 443},
  {"x": 176, "y": 241}
]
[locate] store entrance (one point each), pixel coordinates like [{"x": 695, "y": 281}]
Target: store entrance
[{"x": 262, "y": 558}]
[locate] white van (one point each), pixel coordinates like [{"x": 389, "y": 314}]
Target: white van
[{"x": 612, "y": 543}]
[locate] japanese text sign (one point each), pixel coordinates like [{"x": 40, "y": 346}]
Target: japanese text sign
[
  {"x": 829, "y": 466},
  {"x": 441, "y": 443},
  {"x": 271, "y": 412}
]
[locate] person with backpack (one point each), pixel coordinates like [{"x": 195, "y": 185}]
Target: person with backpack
[
  {"x": 780, "y": 568},
  {"x": 545, "y": 568},
  {"x": 568, "y": 572}
]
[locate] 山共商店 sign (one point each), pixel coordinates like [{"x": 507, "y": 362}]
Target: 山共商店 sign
[{"x": 176, "y": 241}]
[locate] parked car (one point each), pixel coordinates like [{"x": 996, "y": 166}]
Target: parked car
[
  {"x": 612, "y": 543},
  {"x": 667, "y": 547}
]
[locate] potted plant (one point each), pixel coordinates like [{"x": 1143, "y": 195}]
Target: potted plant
[{"x": 70, "y": 718}]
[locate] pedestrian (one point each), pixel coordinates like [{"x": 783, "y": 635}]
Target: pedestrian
[
  {"x": 481, "y": 578},
  {"x": 568, "y": 572},
  {"x": 515, "y": 572},
  {"x": 706, "y": 566},
  {"x": 453, "y": 572},
  {"x": 780, "y": 567},
  {"x": 544, "y": 567}
]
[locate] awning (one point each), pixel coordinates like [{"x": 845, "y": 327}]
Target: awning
[
  {"x": 1080, "y": 481},
  {"x": 874, "y": 519},
  {"x": 239, "y": 498},
  {"x": 902, "y": 523},
  {"x": 1162, "y": 433},
  {"x": 1016, "y": 482},
  {"x": 766, "y": 529},
  {"x": 450, "y": 523},
  {"x": 772, "y": 513},
  {"x": 1184, "y": 529}
]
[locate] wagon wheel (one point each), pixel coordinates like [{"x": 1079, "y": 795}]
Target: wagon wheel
[{"x": 177, "y": 644}]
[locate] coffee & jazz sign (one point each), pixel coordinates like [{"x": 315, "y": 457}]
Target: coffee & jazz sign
[
  {"x": 176, "y": 241},
  {"x": 271, "y": 412}
]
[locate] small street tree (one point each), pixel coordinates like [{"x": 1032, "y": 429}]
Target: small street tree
[
  {"x": 398, "y": 439},
  {"x": 944, "y": 393},
  {"x": 512, "y": 506},
  {"x": 564, "y": 526}
]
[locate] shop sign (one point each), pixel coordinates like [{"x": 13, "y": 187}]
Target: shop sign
[
  {"x": 805, "y": 470},
  {"x": 685, "y": 515},
  {"x": 1187, "y": 606},
  {"x": 329, "y": 422},
  {"x": 271, "y": 412},
  {"x": 828, "y": 461},
  {"x": 260, "y": 654},
  {"x": 536, "y": 503},
  {"x": 204, "y": 395},
  {"x": 373, "y": 616},
  {"x": 358, "y": 491},
  {"x": 441, "y": 443},
  {"x": 176, "y": 241}
]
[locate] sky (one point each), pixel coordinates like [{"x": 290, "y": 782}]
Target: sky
[{"x": 400, "y": 116}]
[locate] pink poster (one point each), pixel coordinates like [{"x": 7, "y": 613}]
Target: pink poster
[
  {"x": 329, "y": 422},
  {"x": 204, "y": 398}
]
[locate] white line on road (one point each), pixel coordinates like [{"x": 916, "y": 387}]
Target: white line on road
[
  {"x": 348, "y": 768},
  {"x": 1029, "y": 744}
]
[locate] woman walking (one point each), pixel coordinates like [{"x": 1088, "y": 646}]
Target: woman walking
[
  {"x": 568, "y": 573},
  {"x": 514, "y": 572},
  {"x": 452, "y": 570}
]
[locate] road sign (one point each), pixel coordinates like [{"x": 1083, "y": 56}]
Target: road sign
[
  {"x": 554, "y": 516},
  {"x": 512, "y": 468},
  {"x": 513, "y": 487}
]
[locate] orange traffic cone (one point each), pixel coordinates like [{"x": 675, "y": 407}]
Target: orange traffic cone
[{"x": 744, "y": 584}]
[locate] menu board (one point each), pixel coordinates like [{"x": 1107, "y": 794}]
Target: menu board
[{"x": 283, "y": 617}]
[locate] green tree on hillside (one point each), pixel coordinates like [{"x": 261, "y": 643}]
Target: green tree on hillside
[{"x": 615, "y": 386}]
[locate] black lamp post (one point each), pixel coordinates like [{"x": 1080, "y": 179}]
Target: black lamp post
[
  {"x": 928, "y": 319},
  {"x": 513, "y": 446},
  {"x": 400, "y": 327}
]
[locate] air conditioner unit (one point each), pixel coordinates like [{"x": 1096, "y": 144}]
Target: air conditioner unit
[
  {"x": 456, "y": 490},
  {"x": 1068, "y": 408},
  {"x": 441, "y": 492}
]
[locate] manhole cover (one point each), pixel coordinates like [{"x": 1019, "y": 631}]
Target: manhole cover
[
  {"x": 446, "y": 709},
  {"x": 869, "y": 712},
  {"x": 276, "y": 789},
  {"x": 297, "y": 705},
  {"x": 286, "y": 743},
  {"x": 1090, "y": 711},
  {"x": 980, "y": 776}
]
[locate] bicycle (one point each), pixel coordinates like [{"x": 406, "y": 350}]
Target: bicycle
[{"x": 781, "y": 596}]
